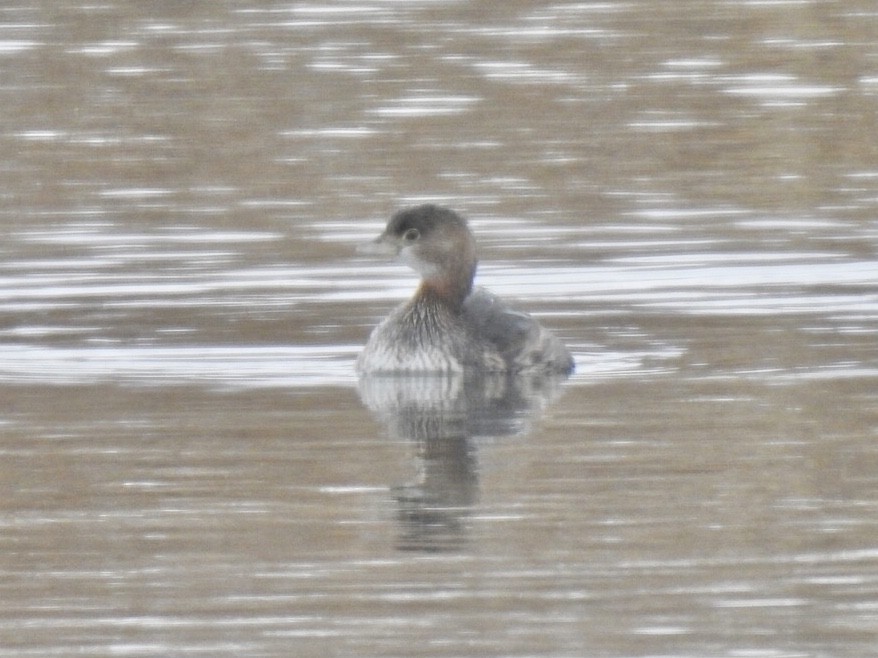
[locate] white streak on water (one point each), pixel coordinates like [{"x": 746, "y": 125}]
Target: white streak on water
[{"x": 223, "y": 367}]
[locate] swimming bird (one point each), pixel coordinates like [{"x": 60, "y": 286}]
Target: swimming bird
[{"x": 450, "y": 326}]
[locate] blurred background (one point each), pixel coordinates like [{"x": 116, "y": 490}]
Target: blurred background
[{"x": 686, "y": 192}]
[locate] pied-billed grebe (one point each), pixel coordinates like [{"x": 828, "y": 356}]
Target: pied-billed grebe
[{"x": 449, "y": 326}]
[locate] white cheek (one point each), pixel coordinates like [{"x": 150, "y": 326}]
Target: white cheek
[{"x": 426, "y": 270}]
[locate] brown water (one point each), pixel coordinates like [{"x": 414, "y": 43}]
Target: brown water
[{"x": 687, "y": 192}]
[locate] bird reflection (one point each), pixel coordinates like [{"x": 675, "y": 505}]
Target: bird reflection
[{"x": 444, "y": 415}]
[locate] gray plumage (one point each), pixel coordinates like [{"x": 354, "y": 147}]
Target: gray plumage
[{"x": 448, "y": 326}]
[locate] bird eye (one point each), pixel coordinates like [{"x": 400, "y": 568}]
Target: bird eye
[{"x": 411, "y": 235}]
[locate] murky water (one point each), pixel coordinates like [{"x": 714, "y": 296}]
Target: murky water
[{"x": 686, "y": 192}]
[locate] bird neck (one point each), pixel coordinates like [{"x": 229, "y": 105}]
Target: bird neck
[{"x": 449, "y": 291}]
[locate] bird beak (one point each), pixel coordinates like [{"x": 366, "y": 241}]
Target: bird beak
[{"x": 383, "y": 245}]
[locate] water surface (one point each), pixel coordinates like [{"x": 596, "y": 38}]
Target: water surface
[{"x": 685, "y": 192}]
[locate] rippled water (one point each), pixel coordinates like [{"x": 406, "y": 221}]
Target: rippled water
[{"x": 685, "y": 192}]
